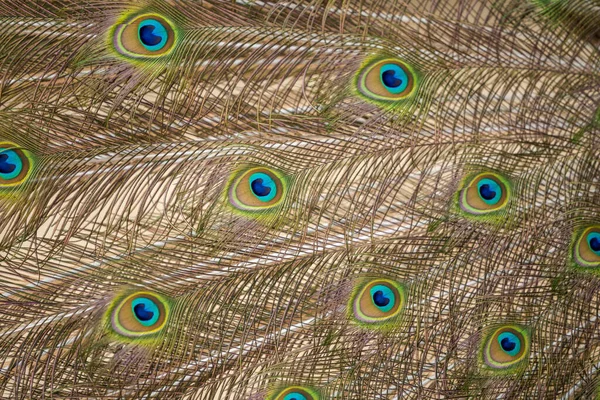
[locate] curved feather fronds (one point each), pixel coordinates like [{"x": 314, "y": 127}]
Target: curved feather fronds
[{"x": 299, "y": 200}]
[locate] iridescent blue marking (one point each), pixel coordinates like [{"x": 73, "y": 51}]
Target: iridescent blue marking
[
  {"x": 393, "y": 78},
  {"x": 593, "y": 239},
  {"x": 11, "y": 164},
  {"x": 263, "y": 186},
  {"x": 295, "y": 396},
  {"x": 510, "y": 343},
  {"x": 489, "y": 191},
  {"x": 383, "y": 297},
  {"x": 145, "y": 311},
  {"x": 152, "y": 34}
]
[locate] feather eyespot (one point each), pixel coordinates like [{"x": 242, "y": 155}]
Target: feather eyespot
[
  {"x": 387, "y": 80},
  {"x": 485, "y": 193},
  {"x": 15, "y": 165},
  {"x": 139, "y": 315},
  {"x": 257, "y": 189},
  {"x": 378, "y": 300},
  {"x": 296, "y": 393},
  {"x": 586, "y": 250},
  {"x": 506, "y": 347},
  {"x": 145, "y": 36}
]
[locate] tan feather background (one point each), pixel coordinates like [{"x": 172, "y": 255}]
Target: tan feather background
[{"x": 432, "y": 230}]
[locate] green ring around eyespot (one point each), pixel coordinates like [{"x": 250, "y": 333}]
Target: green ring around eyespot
[
  {"x": 363, "y": 287},
  {"x": 582, "y": 235},
  {"x": 117, "y": 308},
  {"x": 113, "y": 32},
  {"x": 524, "y": 332},
  {"x": 362, "y": 75},
  {"x": 465, "y": 186},
  {"x": 236, "y": 181}
]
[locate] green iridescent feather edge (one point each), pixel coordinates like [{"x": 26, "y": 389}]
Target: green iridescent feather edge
[
  {"x": 577, "y": 16},
  {"x": 594, "y": 125}
]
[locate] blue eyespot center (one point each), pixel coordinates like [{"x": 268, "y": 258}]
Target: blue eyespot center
[
  {"x": 5, "y": 166},
  {"x": 152, "y": 34},
  {"x": 510, "y": 343},
  {"x": 295, "y": 396},
  {"x": 263, "y": 186},
  {"x": 148, "y": 37},
  {"x": 259, "y": 189},
  {"x": 142, "y": 313},
  {"x": 393, "y": 78},
  {"x": 389, "y": 79},
  {"x": 10, "y": 164},
  {"x": 380, "y": 300},
  {"x": 593, "y": 239},
  {"x": 383, "y": 297},
  {"x": 486, "y": 192},
  {"x": 145, "y": 311},
  {"x": 489, "y": 191}
]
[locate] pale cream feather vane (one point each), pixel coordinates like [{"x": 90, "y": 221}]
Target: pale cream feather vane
[{"x": 313, "y": 199}]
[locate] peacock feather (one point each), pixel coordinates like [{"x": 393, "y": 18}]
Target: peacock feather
[{"x": 301, "y": 200}]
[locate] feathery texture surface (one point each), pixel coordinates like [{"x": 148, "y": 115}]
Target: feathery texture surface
[{"x": 313, "y": 199}]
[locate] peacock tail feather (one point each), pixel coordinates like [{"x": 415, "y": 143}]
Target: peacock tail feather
[{"x": 305, "y": 200}]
